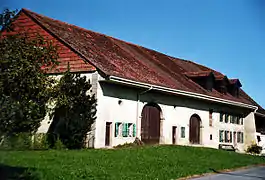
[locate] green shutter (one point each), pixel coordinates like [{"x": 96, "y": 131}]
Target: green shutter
[
  {"x": 134, "y": 130},
  {"x": 124, "y": 129},
  {"x": 116, "y": 129}
]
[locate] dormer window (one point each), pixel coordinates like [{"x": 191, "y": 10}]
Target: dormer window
[
  {"x": 221, "y": 84},
  {"x": 203, "y": 78},
  {"x": 233, "y": 87}
]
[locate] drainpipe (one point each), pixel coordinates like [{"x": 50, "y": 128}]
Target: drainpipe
[{"x": 137, "y": 108}]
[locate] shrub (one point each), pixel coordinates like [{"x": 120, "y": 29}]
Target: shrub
[
  {"x": 137, "y": 142},
  {"x": 254, "y": 149},
  {"x": 21, "y": 141},
  {"x": 40, "y": 142},
  {"x": 59, "y": 144}
]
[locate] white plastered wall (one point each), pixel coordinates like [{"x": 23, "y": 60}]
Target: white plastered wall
[{"x": 176, "y": 111}]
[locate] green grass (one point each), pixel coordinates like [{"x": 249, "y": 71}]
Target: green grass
[{"x": 157, "y": 162}]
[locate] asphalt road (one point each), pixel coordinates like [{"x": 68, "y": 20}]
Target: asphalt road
[{"x": 257, "y": 173}]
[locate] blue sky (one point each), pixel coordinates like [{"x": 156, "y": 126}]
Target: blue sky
[{"x": 226, "y": 35}]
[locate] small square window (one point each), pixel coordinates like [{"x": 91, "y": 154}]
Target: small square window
[{"x": 182, "y": 132}]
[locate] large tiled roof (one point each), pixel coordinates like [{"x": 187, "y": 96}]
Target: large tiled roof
[{"x": 115, "y": 57}]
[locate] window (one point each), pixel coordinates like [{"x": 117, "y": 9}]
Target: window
[
  {"x": 232, "y": 119},
  {"x": 221, "y": 136},
  {"x": 237, "y": 120},
  {"x": 240, "y": 137},
  {"x": 221, "y": 117},
  {"x": 210, "y": 117},
  {"x": 125, "y": 129},
  {"x": 241, "y": 120},
  {"x": 134, "y": 130},
  {"x": 228, "y": 136},
  {"x": 211, "y": 137},
  {"x": 130, "y": 129},
  {"x": 182, "y": 132},
  {"x": 226, "y": 118},
  {"x": 118, "y": 129}
]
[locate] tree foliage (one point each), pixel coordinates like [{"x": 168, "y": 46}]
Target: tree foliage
[
  {"x": 24, "y": 87},
  {"x": 74, "y": 112}
]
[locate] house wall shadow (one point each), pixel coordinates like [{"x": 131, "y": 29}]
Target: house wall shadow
[{"x": 132, "y": 93}]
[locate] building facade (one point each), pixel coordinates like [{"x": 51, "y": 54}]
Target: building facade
[{"x": 148, "y": 95}]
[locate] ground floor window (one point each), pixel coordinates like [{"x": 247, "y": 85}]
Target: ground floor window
[
  {"x": 221, "y": 136},
  {"x": 182, "y": 132},
  {"x": 240, "y": 137},
  {"x": 125, "y": 129},
  {"x": 229, "y": 136}
]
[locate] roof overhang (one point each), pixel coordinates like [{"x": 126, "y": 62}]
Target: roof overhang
[{"x": 180, "y": 92}]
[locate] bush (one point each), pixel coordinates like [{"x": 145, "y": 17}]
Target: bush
[
  {"x": 137, "y": 142},
  {"x": 59, "y": 144},
  {"x": 40, "y": 142},
  {"x": 254, "y": 149},
  {"x": 21, "y": 141}
]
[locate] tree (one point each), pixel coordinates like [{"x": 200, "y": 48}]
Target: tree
[
  {"x": 24, "y": 86},
  {"x": 74, "y": 112}
]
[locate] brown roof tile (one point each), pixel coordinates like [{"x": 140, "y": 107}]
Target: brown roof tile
[{"x": 119, "y": 58}]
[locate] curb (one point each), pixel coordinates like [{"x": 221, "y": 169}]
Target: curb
[{"x": 220, "y": 171}]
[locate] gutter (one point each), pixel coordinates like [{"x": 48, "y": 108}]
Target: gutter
[
  {"x": 260, "y": 114},
  {"x": 180, "y": 92}
]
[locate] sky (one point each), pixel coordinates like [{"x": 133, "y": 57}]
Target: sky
[{"x": 225, "y": 35}]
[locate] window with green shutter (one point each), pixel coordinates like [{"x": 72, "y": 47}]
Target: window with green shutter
[
  {"x": 134, "y": 130},
  {"x": 125, "y": 129}
]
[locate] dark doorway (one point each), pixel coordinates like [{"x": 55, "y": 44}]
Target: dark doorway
[
  {"x": 150, "y": 124},
  {"x": 174, "y": 134},
  {"x": 108, "y": 134},
  {"x": 195, "y": 123}
]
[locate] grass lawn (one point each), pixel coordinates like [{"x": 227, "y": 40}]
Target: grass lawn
[{"x": 157, "y": 162}]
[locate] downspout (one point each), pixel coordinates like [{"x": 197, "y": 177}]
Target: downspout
[{"x": 137, "y": 108}]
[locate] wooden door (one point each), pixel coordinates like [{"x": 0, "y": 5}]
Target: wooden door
[
  {"x": 150, "y": 125},
  {"x": 107, "y": 134},
  {"x": 174, "y": 134},
  {"x": 195, "y": 130}
]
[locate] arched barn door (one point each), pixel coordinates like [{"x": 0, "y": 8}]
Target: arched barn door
[
  {"x": 195, "y": 123},
  {"x": 150, "y": 124}
]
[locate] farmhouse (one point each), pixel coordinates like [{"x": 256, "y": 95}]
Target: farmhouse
[{"x": 149, "y": 95}]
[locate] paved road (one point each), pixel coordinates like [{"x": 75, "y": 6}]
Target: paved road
[{"x": 257, "y": 173}]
